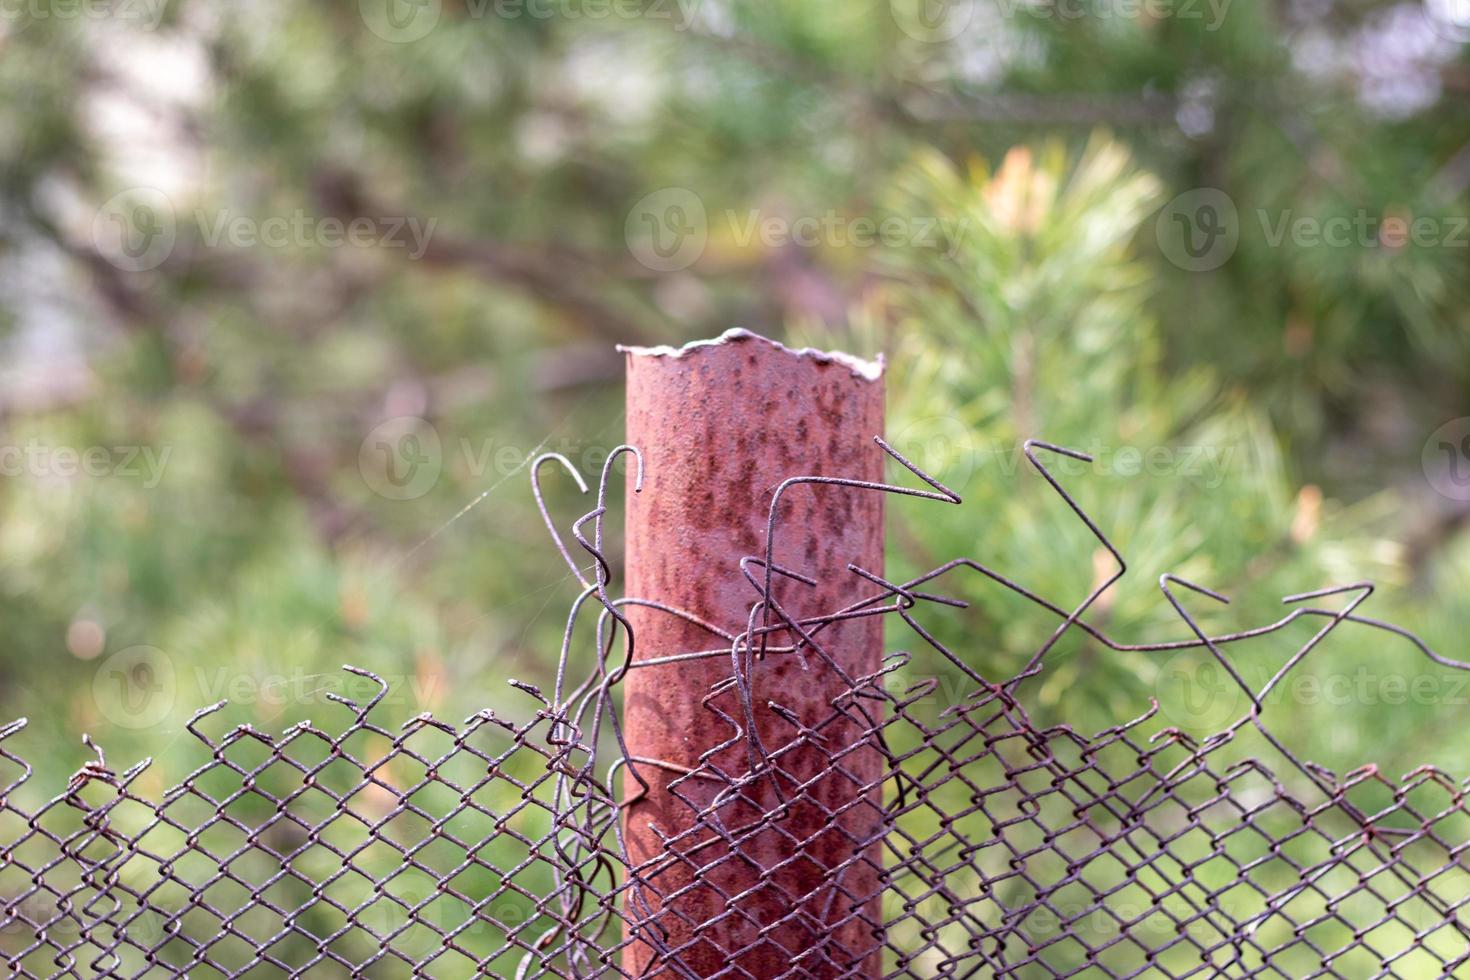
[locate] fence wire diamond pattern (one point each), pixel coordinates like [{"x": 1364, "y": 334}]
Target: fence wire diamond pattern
[{"x": 985, "y": 846}]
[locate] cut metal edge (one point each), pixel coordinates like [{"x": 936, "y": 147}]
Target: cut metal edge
[{"x": 867, "y": 370}]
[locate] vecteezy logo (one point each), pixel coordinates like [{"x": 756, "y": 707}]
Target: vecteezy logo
[
  {"x": 419, "y": 915},
  {"x": 135, "y": 229},
  {"x": 135, "y": 688},
  {"x": 400, "y": 21},
  {"x": 667, "y": 230},
  {"x": 1197, "y": 694},
  {"x": 1446, "y": 459},
  {"x": 401, "y": 458},
  {"x": 932, "y": 20},
  {"x": 942, "y": 446},
  {"x": 1199, "y": 229}
]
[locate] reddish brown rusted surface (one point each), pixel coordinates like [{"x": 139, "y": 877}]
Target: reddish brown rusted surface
[{"x": 720, "y": 425}]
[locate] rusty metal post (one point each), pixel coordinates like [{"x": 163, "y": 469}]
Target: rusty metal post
[{"x": 721, "y": 423}]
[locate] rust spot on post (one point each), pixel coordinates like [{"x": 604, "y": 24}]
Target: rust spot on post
[{"x": 721, "y": 424}]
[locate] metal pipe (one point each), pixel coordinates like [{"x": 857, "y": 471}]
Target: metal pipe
[{"x": 752, "y": 866}]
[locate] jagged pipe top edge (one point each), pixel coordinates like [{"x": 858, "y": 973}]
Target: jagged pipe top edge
[{"x": 867, "y": 370}]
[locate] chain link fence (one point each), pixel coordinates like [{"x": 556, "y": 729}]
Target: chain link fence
[{"x": 954, "y": 837}]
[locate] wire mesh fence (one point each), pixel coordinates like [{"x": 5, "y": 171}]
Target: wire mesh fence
[{"x": 917, "y": 834}]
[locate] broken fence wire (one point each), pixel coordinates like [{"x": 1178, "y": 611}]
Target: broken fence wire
[{"x": 985, "y": 846}]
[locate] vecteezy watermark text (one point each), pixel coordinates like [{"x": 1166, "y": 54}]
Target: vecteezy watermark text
[
  {"x": 1210, "y": 12},
  {"x": 1200, "y": 229},
  {"x": 1196, "y": 692},
  {"x": 402, "y": 458},
  {"x": 40, "y": 459},
  {"x": 143, "y": 14},
  {"x": 140, "y": 687},
  {"x": 300, "y": 229},
  {"x": 938, "y": 21},
  {"x": 138, "y": 229},
  {"x": 668, "y": 230},
  {"x": 406, "y": 21},
  {"x": 1208, "y": 463}
]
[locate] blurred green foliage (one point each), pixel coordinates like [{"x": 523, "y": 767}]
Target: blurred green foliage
[
  {"x": 1295, "y": 384},
  {"x": 1045, "y": 294}
]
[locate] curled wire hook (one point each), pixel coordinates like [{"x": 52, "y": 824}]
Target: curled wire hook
[
  {"x": 604, "y": 575},
  {"x": 604, "y": 571},
  {"x": 940, "y": 492},
  {"x": 546, "y": 514}
]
